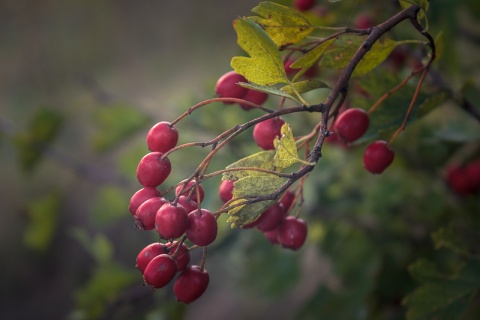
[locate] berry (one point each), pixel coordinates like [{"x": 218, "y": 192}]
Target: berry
[
  {"x": 148, "y": 253},
  {"x": 226, "y": 190},
  {"x": 187, "y": 203},
  {"x": 271, "y": 218},
  {"x": 304, "y": 5},
  {"x": 265, "y": 132},
  {"x": 160, "y": 271},
  {"x": 141, "y": 196},
  {"x": 171, "y": 221},
  {"x": 146, "y": 213},
  {"x": 287, "y": 199},
  {"x": 162, "y": 137},
  {"x": 472, "y": 171},
  {"x": 363, "y": 21},
  {"x": 191, "y": 284},
  {"x": 183, "y": 256},
  {"x": 292, "y": 233},
  {"x": 377, "y": 157},
  {"x": 272, "y": 236},
  {"x": 254, "y": 96},
  {"x": 190, "y": 190},
  {"x": 288, "y": 69},
  {"x": 153, "y": 170},
  {"x": 352, "y": 124},
  {"x": 227, "y": 86},
  {"x": 202, "y": 227}
]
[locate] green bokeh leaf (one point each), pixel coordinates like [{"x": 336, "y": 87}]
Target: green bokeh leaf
[
  {"x": 284, "y": 25},
  {"x": 110, "y": 204},
  {"x": 261, "y": 160}
]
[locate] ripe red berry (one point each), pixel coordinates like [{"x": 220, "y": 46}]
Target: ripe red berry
[
  {"x": 378, "y": 156},
  {"x": 287, "y": 199},
  {"x": 272, "y": 236},
  {"x": 202, "y": 227},
  {"x": 171, "y": 221},
  {"x": 265, "y": 132},
  {"x": 146, "y": 213},
  {"x": 271, "y": 218},
  {"x": 292, "y": 233},
  {"x": 187, "y": 203},
  {"x": 458, "y": 180},
  {"x": 153, "y": 170},
  {"x": 363, "y": 21},
  {"x": 148, "y": 253},
  {"x": 162, "y": 137},
  {"x": 352, "y": 124},
  {"x": 227, "y": 86},
  {"x": 183, "y": 256},
  {"x": 254, "y": 96},
  {"x": 190, "y": 190},
  {"x": 191, "y": 284},
  {"x": 472, "y": 171},
  {"x": 304, "y": 5},
  {"x": 225, "y": 190},
  {"x": 141, "y": 196},
  {"x": 288, "y": 69},
  {"x": 160, "y": 271}
]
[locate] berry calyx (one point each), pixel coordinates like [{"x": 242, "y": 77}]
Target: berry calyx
[
  {"x": 182, "y": 257},
  {"x": 225, "y": 191},
  {"x": 148, "y": 253},
  {"x": 202, "y": 227},
  {"x": 146, "y": 213},
  {"x": 162, "y": 137},
  {"x": 352, "y": 124},
  {"x": 265, "y": 132},
  {"x": 190, "y": 190},
  {"x": 141, "y": 196},
  {"x": 292, "y": 233},
  {"x": 160, "y": 271},
  {"x": 171, "y": 221},
  {"x": 377, "y": 157},
  {"x": 153, "y": 169},
  {"x": 191, "y": 284},
  {"x": 227, "y": 86}
]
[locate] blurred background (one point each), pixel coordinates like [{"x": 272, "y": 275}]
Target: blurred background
[{"x": 81, "y": 82}]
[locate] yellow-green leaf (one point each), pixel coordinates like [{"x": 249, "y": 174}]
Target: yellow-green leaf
[
  {"x": 439, "y": 45},
  {"x": 265, "y": 65},
  {"x": 269, "y": 89},
  {"x": 421, "y": 3},
  {"x": 284, "y": 25},
  {"x": 304, "y": 86},
  {"x": 286, "y": 149},
  {"x": 261, "y": 160},
  {"x": 310, "y": 58}
]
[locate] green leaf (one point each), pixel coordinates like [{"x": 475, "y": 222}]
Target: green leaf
[
  {"x": 43, "y": 219},
  {"x": 306, "y": 61},
  {"x": 261, "y": 160},
  {"x": 252, "y": 186},
  {"x": 304, "y": 86},
  {"x": 32, "y": 143},
  {"x": 100, "y": 247},
  {"x": 268, "y": 89},
  {"x": 265, "y": 65},
  {"x": 284, "y": 25},
  {"x": 421, "y": 3},
  {"x": 439, "y": 45},
  {"x": 449, "y": 239},
  {"x": 115, "y": 124},
  {"x": 286, "y": 149}
]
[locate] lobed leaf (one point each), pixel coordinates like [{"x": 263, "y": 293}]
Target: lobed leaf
[
  {"x": 286, "y": 149},
  {"x": 304, "y": 86},
  {"x": 306, "y": 61},
  {"x": 261, "y": 160},
  {"x": 269, "y": 89}
]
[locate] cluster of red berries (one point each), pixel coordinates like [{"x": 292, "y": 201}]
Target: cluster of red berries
[
  {"x": 183, "y": 218},
  {"x": 464, "y": 179}
]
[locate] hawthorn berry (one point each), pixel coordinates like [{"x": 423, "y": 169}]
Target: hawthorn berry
[
  {"x": 146, "y": 213},
  {"x": 141, "y": 196},
  {"x": 364, "y": 21},
  {"x": 292, "y": 233},
  {"x": 160, "y": 271},
  {"x": 153, "y": 169},
  {"x": 191, "y": 284},
  {"x": 190, "y": 190},
  {"x": 271, "y": 218},
  {"x": 473, "y": 173},
  {"x": 202, "y": 227},
  {"x": 162, "y": 137},
  {"x": 187, "y": 203},
  {"x": 287, "y": 200},
  {"x": 352, "y": 124},
  {"x": 225, "y": 191},
  {"x": 171, "y": 221},
  {"x": 182, "y": 258},
  {"x": 254, "y": 96},
  {"x": 148, "y": 253},
  {"x": 303, "y": 5},
  {"x": 378, "y": 156},
  {"x": 272, "y": 236},
  {"x": 227, "y": 86},
  {"x": 265, "y": 132}
]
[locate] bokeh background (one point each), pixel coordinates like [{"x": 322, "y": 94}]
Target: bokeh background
[{"x": 81, "y": 82}]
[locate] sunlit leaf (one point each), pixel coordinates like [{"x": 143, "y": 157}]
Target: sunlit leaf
[
  {"x": 269, "y": 89},
  {"x": 261, "y": 160},
  {"x": 312, "y": 57},
  {"x": 286, "y": 149},
  {"x": 304, "y": 86},
  {"x": 284, "y": 25}
]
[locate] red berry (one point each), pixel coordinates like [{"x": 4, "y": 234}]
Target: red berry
[
  {"x": 183, "y": 256},
  {"x": 191, "y": 284},
  {"x": 352, "y": 124},
  {"x": 148, "y": 253},
  {"x": 146, "y": 213},
  {"x": 265, "y": 132},
  {"x": 272, "y": 236},
  {"x": 227, "y": 86},
  {"x": 472, "y": 171},
  {"x": 153, "y": 170},
  {"x": 162, "y": 137},
  {"x": 288, "y": 69},
  {"x": 190, "y": 190},
  {"x": 187, "y": 203},
  {"x": 378, "y": 156},
  {"x": 202, "y": 227},
  {"x": 459, "y": 180},
  {"x": 364, "y": 21},
  {"x": 287, "y": 200},
  {"x": 226, "y": 190},
  {"x": 254, "y": 96},
  {"x": 292, "y": 233},
  {"x": 304, "y": 5},
  {"x": 141, "y": 196},
  {"x": 171, "y": 221},
  {"x": 160, "y": 271},
  {"x": 271, "y": 218}
]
